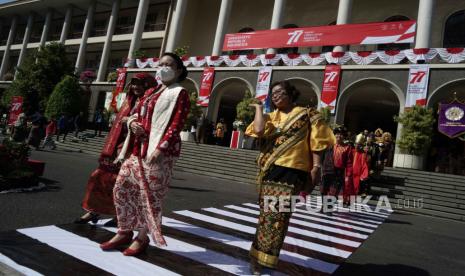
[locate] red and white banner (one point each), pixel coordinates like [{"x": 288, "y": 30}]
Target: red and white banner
[
  {"x": 263, "y": 83},
  {"x": 237, "y": 137},
  {"x": 330, "y": 86},
  {"x": 16, "y": 108},
  {"x": 417, "y": 88},
  {"x": 347, "y": 34},
  {"x": 206, "y": 85},
  {"x": 120, "y": 82}
]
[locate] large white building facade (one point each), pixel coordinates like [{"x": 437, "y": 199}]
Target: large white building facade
[{"x": 101, "y": 35}]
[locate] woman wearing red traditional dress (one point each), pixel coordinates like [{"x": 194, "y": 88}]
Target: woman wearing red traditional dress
[
  {"x": 98, "y": 199},
  {"x": 145, "y": 175},
  {"x": 359, "y": 169}
]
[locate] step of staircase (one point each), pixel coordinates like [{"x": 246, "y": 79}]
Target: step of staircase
[{"x": 441, "y": 195}]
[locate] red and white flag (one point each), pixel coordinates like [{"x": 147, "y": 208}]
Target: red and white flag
[
  {"x": 206, "y": 85},
  {"x": 16, "y": 108},
  {"x": 263, "y": 83},
  {"x": 331, "y": 80},
  {"x": 417, "y": 88}
]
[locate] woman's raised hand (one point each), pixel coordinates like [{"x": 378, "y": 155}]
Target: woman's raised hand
[
  {"x": 256, "y": 105},
  {"x": 137, "y": 129}
]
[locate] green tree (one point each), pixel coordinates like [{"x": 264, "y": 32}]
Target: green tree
[
  {"x": 417, "y": 129},
  {"x": 38, "y": 75},
  {"x": 244, "y": 113},
  {"x": 194, "y": 112},
  {"x": 66, "y": 98}
]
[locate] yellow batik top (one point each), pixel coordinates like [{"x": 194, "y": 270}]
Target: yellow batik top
[{"x": 300, "y": 155}]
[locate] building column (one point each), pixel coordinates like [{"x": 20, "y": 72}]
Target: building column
[
  {"x": 46, "y": 29},
  {"x": 11, "y": 37},
  {"x": 424, "y": 21},
  {"x": 276, "y": 20},
  {"x": 225, "y": 11},
  {"x": 81, "y": 57},
  {"x": 107, "y": 46},
  {"x": 176, "y": 24},
  {"x": 27, "y": 36},
  {"x": 66, "y": 24},
  {"x": 138, "y": 28},
  {"x": 343, "y": 17}
]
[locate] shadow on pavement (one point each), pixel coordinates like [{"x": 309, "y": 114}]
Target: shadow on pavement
[
  {"x": 379, "y": 270},
  {"x": 189, "y": 189}
]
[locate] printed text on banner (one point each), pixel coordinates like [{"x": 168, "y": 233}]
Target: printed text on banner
[
  {"x": 331, "y": 79},
  {"x": 15, "y": 109},
  {"x": 206, "y": 85},
  {"x": 417, "y": 88},
  {"x": 263, "y": 83}
]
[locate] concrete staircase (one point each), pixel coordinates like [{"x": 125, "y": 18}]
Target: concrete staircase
[
  {"x": 434, "y": 194},
  {"x": 442, "y": 195}
]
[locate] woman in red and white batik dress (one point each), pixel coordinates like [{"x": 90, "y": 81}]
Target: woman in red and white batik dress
[{"x": 145, "y": 175}]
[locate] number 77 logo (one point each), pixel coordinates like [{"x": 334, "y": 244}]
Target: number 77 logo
[
  {"x": 417, "y": 76},
  {"x": 330, "y": 76}
]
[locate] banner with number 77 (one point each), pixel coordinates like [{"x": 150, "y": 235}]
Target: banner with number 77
[
  {"x": 330, "y": 89},
  {"x": 417, "y": 88}
]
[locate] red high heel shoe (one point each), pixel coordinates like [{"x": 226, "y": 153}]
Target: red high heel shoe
[
  {"x": 127, "y": 238},
  {"x": 142, "y": 247}
]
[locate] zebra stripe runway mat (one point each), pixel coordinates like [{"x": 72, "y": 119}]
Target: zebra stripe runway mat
[{"x": 208, "y": 241}]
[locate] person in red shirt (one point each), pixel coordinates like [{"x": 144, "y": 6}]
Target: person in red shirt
[
  {"x": 336, "y": 167},
  {"x": 49, "y": 132}
]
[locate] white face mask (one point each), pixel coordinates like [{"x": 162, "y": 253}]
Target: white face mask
[{"x": 165, "y": 74}]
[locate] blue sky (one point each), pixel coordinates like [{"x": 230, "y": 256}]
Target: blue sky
[{"x": 4, "y": 1}]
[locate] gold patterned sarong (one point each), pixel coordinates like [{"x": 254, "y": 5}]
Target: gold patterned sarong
[{"x": 272, "y": 224}]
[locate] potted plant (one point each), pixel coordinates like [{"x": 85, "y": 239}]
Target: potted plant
[
  {"x": 415, "y": 139},
  {"x": 112, "y": 76},
  {"x": 194, "y": 114},
  {"x": 244, "y": 117}
]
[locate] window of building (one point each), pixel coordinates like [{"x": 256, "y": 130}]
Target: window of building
[
  {"x": 100, "y": 27},
  {"x": 395, "y": 46},
  {"x": 454, "y": 31},
  {"x": 125, "y": 24}
]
